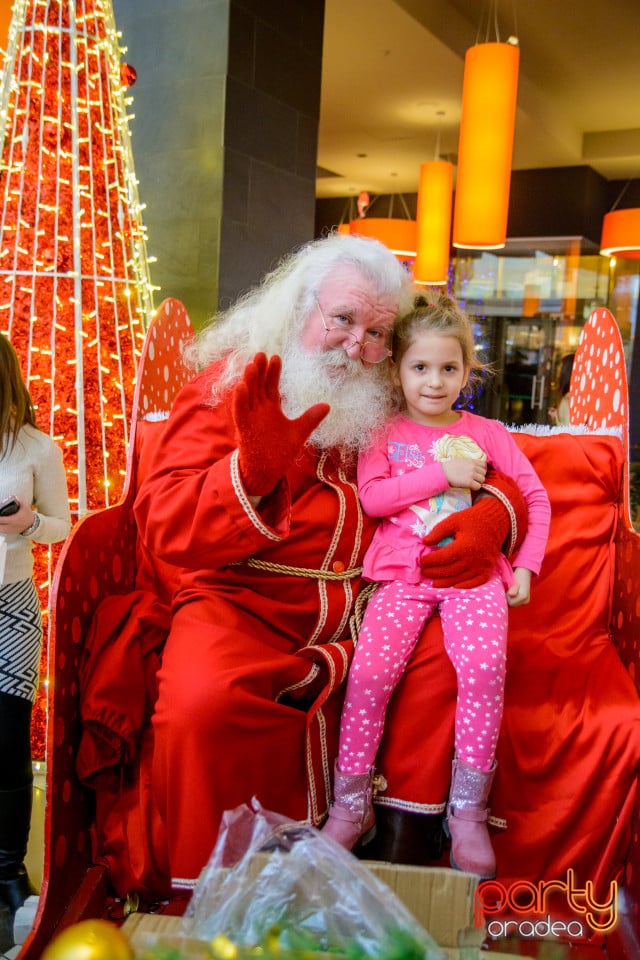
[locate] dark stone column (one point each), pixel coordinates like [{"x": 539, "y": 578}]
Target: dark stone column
[{"x": 224, "y": 138}]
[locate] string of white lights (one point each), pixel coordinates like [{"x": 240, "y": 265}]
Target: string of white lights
[{"x": 77, "y": 234}]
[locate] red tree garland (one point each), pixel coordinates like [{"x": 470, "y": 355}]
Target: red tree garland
[{"x": 74, "y": 284}]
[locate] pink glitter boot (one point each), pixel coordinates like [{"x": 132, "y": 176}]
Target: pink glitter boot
[
  {"x": 466, "y": 821},
  {"x": 351, "y": 815}
]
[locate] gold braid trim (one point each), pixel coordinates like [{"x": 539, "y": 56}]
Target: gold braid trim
[
  {"x": 355, "y": 620},
  {"x": 301, "y": 571},
  {"x": 512, "y": 514}
]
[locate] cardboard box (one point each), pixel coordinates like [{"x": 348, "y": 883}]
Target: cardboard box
[{"x": 442, "y": 901}]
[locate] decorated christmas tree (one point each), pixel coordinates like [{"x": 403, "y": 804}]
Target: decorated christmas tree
[{"x": 75, "y": 292}]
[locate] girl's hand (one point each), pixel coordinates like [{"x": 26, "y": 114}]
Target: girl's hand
[
  {"x": 463, "y": 472},
  {"x": 519, "y": 593},
  {"x": 17, "y": 522},
  {"x": 479, "y": 536}
]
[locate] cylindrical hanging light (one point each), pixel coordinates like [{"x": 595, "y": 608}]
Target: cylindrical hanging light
[
  {"x": 485, "y": 147},
  {"x": 621, "y": 234},
  {"x": 399, "y": 235},
  {"x": 433, "y": 222},
  {"x": 530, "y": 299}
]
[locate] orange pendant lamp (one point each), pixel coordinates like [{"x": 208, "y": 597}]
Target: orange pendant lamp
[
  {"x": 5, "y": 23},
  {"x": 434, "y": 222},
  {"x": 397, "y": 234},
  {"x": 485, "y": 148},
  {"x": 621, "y": 234}
]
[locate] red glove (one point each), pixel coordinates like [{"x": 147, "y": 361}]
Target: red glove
[
  {"x": 267, "y": 440},
  {"x": 496, "y": 523}
]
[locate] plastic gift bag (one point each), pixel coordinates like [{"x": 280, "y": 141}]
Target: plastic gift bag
[{"x": 278, "y": 885}]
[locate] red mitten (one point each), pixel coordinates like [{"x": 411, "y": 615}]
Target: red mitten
[
  {"x": 267, "y": 440},
  {"x": 497, "y": 522}
]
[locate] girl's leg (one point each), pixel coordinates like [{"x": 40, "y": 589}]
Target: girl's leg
[
  {"x": 474, "y": 623},
  {"x": 475, "y": 629},
  {"x": 392, "y": 624}
]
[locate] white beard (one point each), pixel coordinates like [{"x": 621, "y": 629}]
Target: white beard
[{"x": 361, "y": 399}]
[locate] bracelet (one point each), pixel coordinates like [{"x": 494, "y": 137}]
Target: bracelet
[{"x": 34, "y": 526}]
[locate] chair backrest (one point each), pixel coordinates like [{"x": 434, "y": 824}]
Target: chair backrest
[
  {"x": 98, "y": 559},
  {"x": 599, "y": 398},
  {"x": 598, "y": 391},
  {"x": 161, "y": 373}
]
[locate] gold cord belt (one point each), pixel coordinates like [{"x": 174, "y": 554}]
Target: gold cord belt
[
  {"x": 355, "y": 621},
  {"x": 302, "y": 571}
]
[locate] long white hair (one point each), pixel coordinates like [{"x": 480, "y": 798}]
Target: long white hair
[{"x": 268, "y": 317}]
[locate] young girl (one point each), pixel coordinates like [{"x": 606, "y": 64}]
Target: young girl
[{"x": 428, "y": 462}]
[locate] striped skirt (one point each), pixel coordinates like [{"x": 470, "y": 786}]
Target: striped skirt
[{"x": 20, "y": 639}]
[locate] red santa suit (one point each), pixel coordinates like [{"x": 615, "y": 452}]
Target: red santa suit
[
  {"x": 249, "y": 695},
  {"x": 260, "y": 622}
]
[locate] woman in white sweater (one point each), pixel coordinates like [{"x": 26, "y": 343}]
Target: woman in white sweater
[{"x": 34, "y": 506}]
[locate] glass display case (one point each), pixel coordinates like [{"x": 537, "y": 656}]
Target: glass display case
[{"x": 529, "y": 303}]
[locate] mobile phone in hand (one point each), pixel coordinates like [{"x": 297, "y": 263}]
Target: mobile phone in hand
[{"x": 9, "y": 507}]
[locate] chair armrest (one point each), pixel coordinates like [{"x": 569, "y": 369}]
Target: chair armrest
[{"x": 98, "y": 559}]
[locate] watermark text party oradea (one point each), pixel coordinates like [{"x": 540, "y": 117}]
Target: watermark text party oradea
[{"x": 527, "y": 911}]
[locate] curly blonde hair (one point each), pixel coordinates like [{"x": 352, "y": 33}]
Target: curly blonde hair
[{"x": 438, "y": 312}]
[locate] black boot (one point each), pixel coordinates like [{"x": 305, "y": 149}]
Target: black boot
[
  {"x": 15, "y": 820},
  {"x": 406, "y": 837}
]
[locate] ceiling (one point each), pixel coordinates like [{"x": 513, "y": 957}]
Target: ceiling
[{"x": 392, "y": 87}]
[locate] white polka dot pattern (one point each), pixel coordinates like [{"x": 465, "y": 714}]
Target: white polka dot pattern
[
  {"x": 599, "y": 380},
  {"x": 162, "y": 371}
]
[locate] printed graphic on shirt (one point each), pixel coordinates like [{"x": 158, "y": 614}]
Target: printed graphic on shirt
[
  {"x": 451, "y": 445},
  {"x": 451, "y": 500},
  {"x": 408, "y": 453}
]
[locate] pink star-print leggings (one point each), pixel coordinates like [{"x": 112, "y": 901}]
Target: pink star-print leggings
[{"x": 474, "y": 624}]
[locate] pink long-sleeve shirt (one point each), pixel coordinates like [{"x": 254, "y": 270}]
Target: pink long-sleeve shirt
[{"x": 402, "y": 481}]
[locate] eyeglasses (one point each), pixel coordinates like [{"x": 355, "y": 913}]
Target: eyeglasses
[{"x": 373, "y": 349}]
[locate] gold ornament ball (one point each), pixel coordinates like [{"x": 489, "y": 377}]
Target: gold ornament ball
[{"x": 89, "y": 940}]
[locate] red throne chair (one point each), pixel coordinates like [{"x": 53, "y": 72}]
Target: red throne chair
[
  {"x": 565, "y": 791},
  {"x": 101, "y": 559}
]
